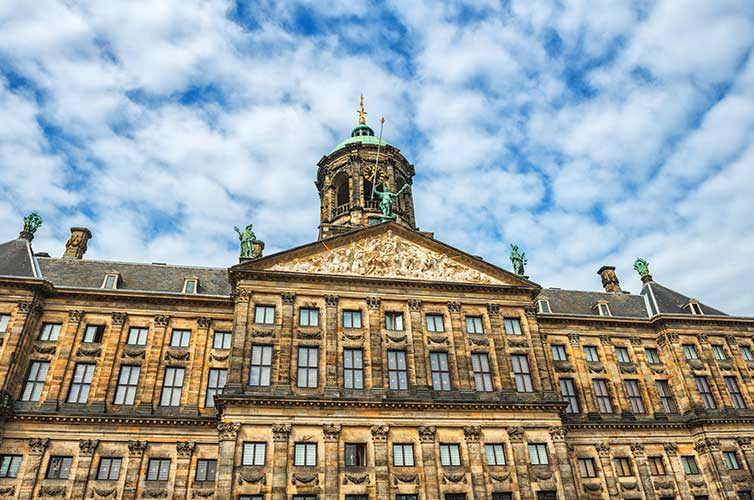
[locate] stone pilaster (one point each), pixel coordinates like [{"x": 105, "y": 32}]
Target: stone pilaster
[
  {"x": 287, "y": 370},
  {"x": 235, "y": 382},
  {"x": 498, "y": 337},
  {"x": 107, "y": 379},
  {"x": 331, "y": 433},
  {"x": 420, "y": 354},
  {"x": 429, "y": 462},
  {"x": 331, "y": 343},
  {"x": 375, "y": 343},
  {"x": 671, "y": 450},
  {"x": 198, "y": 356},
  {"x": 37, "y": 448},
  {"x": 715, "y": 380},
  {"x": 153, "y": 361},
  {"x": 56, "y": 379},
  {"x": 712, "y": 457},
  {"x": 87, "y": 448},
  {"x": 280, "y": 436},
  {"x": 521, "y": 462},
  {"x": 567, "y": 477},
  {"x": 537, "y": 342},
  {"x": 136, "y": 451},
  {"x": 17, "y": 340},
  {"x": 381, "y": 458},
  {"x": 473, "y": 433},
  {"x": 614, "y": 377},
  {"x": 184, "y": 450},
  {"x": 589, "y": 402},
  {"x": 637, "y": 449},
  {"x": 744, "y": 443},
  {"x": 461, "y": 375},
  {"x": 226, "y": 459},
  {"x": 603, "y": 450}
]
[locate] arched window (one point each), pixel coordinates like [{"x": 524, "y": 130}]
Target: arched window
[
  {"x": 342, "y": 193},
  {"x": 367, "y": 191}
]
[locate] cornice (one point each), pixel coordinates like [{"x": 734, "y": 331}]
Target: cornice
[
  {"x": 140, "y": 296},
  {"x": 112, "y": 419},
  {"x": 658, "y": 320},
  {"x": 34, "y": 284},
  {"x": 690, "y": 320},
  {"x": 661, "y": 424},
  {"x": 620, "y": 321}
]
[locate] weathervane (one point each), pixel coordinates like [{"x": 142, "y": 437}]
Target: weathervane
[{"x": 362, "y": 112}]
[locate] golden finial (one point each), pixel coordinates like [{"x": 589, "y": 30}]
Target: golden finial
[{"x": 361, "y": 112}]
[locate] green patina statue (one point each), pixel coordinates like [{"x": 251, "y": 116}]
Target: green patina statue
[
  {"x": 642, "y": 267},
  {"x": 32, "y": 223},
  {"x": 247, "y": 238},
  {"x": 386, "y": 202},
  {"x": 518, "y": 260}
]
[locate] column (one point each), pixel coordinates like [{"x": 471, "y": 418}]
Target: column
[
  {"x": 417, "y": 337},
  {"x": 280, "y": 436},
  {"x": 745, "y": 444},
  {"x": 136, "y": 451},
  {"x": 671, "y": 450},
  {"x": 287, "y": 370},
  {"x": 521, "y": 462},
  {"x": 579, "y": 364},
  {"x": 538, "y": 345},
  {"x": 498, "y": 337},
  {"x": 715, "y": 379},
  {"x": 429, "y": 462},
  {"x": 234, "y": 384},
  {"x": 110, "y": 347},
  {"x": 746, "y": 382},
  {"x": 473, "y": 433},
  {"x": 153, "y": 360},
  {"x": 196, "y": 375},
  {"x": 567, "y": 478},
  {"x": 679, "y": 371},
  {"x": 16, "y": 341},
  {"x": 603, "y": 450},
  {"x": 61, "y": 361},
  {"x": 642, "y": 467},
  {"x": 375, "y": 344},
  {"x": 331, "y": 343},
  {"x": 87, "y": 448},
  {"x": 709, "y": 449},
  {"x": 226, "y": 459},
  {"x": 332, "y": 463},
  {"x": 381, "y": 458},
  {"x": 184, "y": 451},
  {"x": 614, "y": 376},
  {"x": 462, "y": 374},
  {"x": 37, "y": 447}
]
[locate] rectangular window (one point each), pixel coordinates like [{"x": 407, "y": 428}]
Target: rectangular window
[
  {"x": 622, "y": 467},
  {"x": 4, "y": 320},
  {"x": 746, "y": 354},
  {"x": 308, "y": 367},
  {"x": 652, "y": 357},
  {"x": 538, "y": 454},
  {"x": 189, "y": 286},
  {"x": 719, "y": 352},
  {"x": 455, "y": 496},
  {"x": 633, "y": 391},
  {"x": 397, "y": 372},
  {"x": 128, "y": 382},
  {"x": 591, "y": 354},
  {"x": 689, "y": 465},
  {"x": 544, "y": 306},
  {"x": 394, "y": 321},
  {"x": 357, "y": 497},
  {"x": 657, "y": 466},
  {"x": 158, "y": 469},
  {"x": 403, "y": 455},
  {"x": 521, "y": 373},
  {"x": 689, "y": 351},
  {"x": 221, "y": 340},
  {"x": 666, "y": 397},
  {"x": 435, "y": 323},
  {"x": 172, "y": 387},
  {"x": 480, "y": 364},
  {"x": 9, "y": 465},
  {"x": 206, "y": 470},
  {"x": 261, "y": 497},
  {"x": 261, "y": 365},
  {"x": 406, "y": 497},
  {"x": 603, "y": 309},
  {"x": 450, "y": 455},
  {"x": 438, "y": 362},
  {"x": 587, "y": 468},
  {"x": 264, "y": 315},
  {"x": 254, "y": 453},
  {"x": 495, "y": 454},
  {"x": 111, "y": 281},
  {"x": 137, "y": 336},
  {"x": 559, "y": 352},
  {"x": 308, "y": 316},
  {"x": 512, "y": 326},
  {"x": 296, "y": 497},
  {"x": 216, "y": 381},
  {"x": 353, "y": 368},
  {"x": 59, "y": 467},
  {"x": 50, "y": 332},
  {"x": 180, "y": 338},
  {"x": 568, "y": 392},
  {"x": 109, "y": 469},
  {"x": 93, "y": 334},
  {"x": 305, "y": 455},
  {"x": 602, "y": 395},
  {"x": 731, "y": 460},
  {"x": 704, "y": 391},
  {"x": 474, "y": 324},
  {"x": 355, "y": 454},
  {"x": 735, "y": 392},
  {"x": 83, "y": 375},
  {"x": 351, "y": 319},
  {"x": 621, "y": 353},
  {"x": 35, "y": 380}
]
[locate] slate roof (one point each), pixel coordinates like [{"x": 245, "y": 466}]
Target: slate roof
[
  {"x": 16, "y": 259},
  {"x": 579, "y": 302},
  {"x": 663, "y": 300}
]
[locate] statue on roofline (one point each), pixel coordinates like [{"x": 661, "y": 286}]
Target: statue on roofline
[
  {"x": 386, "y": 202},
  {"x": 642, "y": 267},
  {"x": 518, "y": 260},
  {"x": 247, "y": 238}
]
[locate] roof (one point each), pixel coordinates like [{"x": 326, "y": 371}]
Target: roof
[
  {"x": 578, "y": 302},
  {"x": 663, "y": 300},
  {"x": 17, "y": 259},
  {"x": 362, "y": 134}
]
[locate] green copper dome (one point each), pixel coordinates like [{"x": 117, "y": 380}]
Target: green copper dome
[{"x": 362, "y": 134}]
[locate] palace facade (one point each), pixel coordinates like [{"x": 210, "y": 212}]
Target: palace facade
[{"x": 374, "y": 363}]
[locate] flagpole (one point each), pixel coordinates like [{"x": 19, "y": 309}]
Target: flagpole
[{"x": 377, "y": 159}]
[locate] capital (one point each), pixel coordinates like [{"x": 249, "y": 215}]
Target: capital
[
  {"x": 332, "y": 432},
  {"x": 185, "y": 448},
  {"x": 37, "y": 446},
  {"x": 228, "y": 430},
  {"x": 427, "y": 433},
  {"x": 136, "y": 448},
  {"x": 88, "y": 446}
]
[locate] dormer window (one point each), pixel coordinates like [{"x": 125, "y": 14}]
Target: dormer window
[
  {"x": 603, "y": 308},
  {"x": 191, "y": 285},
  {"x": 111, "y": 281},
  {"x": 694, "y": 308},
  {"x": 544, "y": 306}
]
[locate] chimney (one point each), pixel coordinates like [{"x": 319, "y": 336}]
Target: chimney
[
  {"x": 76, "y": 245},
  {"x": 609, "y": 279}
]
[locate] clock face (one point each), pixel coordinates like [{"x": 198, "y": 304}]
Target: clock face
[{"x": 374, "y": 174}]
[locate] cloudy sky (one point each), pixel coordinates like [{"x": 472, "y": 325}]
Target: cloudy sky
[{"x": 589, "y": 132}]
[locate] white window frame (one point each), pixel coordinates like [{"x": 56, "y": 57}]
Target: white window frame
[
  {"x": 310, "y": 369},
  {"x": 543, "y": 306},
  {"x": 450, "y": 455},
  {"x": 474, "y": 325},
  {"x": 35, "y": 380},
  {"x": 603, "y": 308},
  {"x": 115, "y": 277},
  {"x": 81, "y": 384},
  {"x": 50, "y": 332},
  {"x": 653, "y": 355},
  {"x": 480, "y": 365},
  {"x": 591, "y": 354},
  {"x": 353, "y": 368},
  {"x": 513, "y": 326},
  {"x": 93, "y": 334},
  {"x": 587, "y": 467},
  {"x": 206, "y": 470},
  {"x": 264, "y": 314},
  {"x": 254, "y": 453},
  {"x": 394, "y": 321},
  {"x": 305, "y": 455},
  {"x": 354, "y": 316},
  {"x": 397, "y": 370},
  {"x": 569, "y": 395},
  {"x": 559, "y": 352},
  {"x": 695, "y": 308},
  {"x": 538, "y": 454},
  {"x": 138, "y": 334},
  {"x": 260, "y": 367},
  {"x": 225, "y": 337},
  {"x": 403, "y": 455},
  {"x": 622, "y": 354},
  {"x": 308, "y": 313},
  {"x": 216, "y": 380},
  {"x": 109, "y": 468},
  {"x": 4, "y": 321},
  {"x": 172, "y": 386},
  {"x": 180, "y": 337},
  {"x": 495, "y": 453},
  {"x": 522, "y": 373},
  {"x": 128, "y": 384},
  {"x": 162, "y": 472},
  {"x": 433, "y": 321},
  {"x": 439, "y": 366},
  {"x": 193, "y": 280}
]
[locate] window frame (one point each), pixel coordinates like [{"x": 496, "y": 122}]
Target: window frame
[
  {"x": 633, "y": 394},
  {"x": 180, "y": 338},
  {"x": 622, "y": 355},
  {"x": 513, "y": 326},
  {"x": 434, "y": 323},
  {"x": 536, "y": 453},
  {"x": 59, "y": 467},
  {"x": 309, "y": 370},
  {"x": 108, "y": 470},
  {"x": 705, "y": 392},
  {"x": 194, "y": 286},
  {"x": 652, "y": 355},
  {"x": 450, "y": 455},
  {"x": 603, "y": 308},
  {"x": 254, "y": 453},
  {"x": 667, "y": 398},
  {"x": 718, "y": 351},
  {"x": 4, "y": 322},
  {"x": 559, "y": 352},
  {"x": 224, "y": 335},
  {"x": 81, "y": 388},
  {"x": 170, "y": 390},
  {"x": 746, "y": 353},
  {"x": 570, "y": 395},
  {"x": 127, "y": 386},
  {"x": 208, "y": 473},
  {"x": 353, "y": 368},
  {"x": 306, "y": 454},
  {"x": 439, "y": 367},
  {"x": 690, "y": 352},
  {"x": 394, "y": 371},
  {"x": 394, "y": 321},
  {"x": 354, "y": 316},
  {"x": 50, "y": 332},
  {"x": 603, "y": 396},
  {"x": 544, "y": 310},
  {"x": 215, "y": 387},
  {"x": 521, "y": 376},
  {"x": 587, "y": 467},
  {"x": 657, "y": 466},
  {"x": 10, "y": 464},
  {"x": 474, "y": 325},
  {"x": 496, "y": 452},
  {"x": 261, "y": 365},
  {"x": 730, "y": 458},
  {"x": 111, "y": 281},
  {"x": 355, "y": 454},
  {"x": 308, "y": 313},
  {"x": 141, "y": 333},
  {"x": 734, "y": 389},
  {"x": 591, "y": 354},
  {"x": 34, "y": 384},
  {"x": 403, "y": 462},
  {"x": 623, "y": 467},
  {"x": 480, "y": 366},
  {"x": 690, "y": 467},
  {"x": 267, "y": 316},
  {"x": 163, "y": 465},
  {"x": 97, "y": 333}
]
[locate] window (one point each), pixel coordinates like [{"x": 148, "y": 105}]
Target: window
[
  {"x": 495, "y": 454},
  {"x": 701, "y": 497},
  {"x": 308, "y": 367},
  {"x": 559, "y": 352},
  {"x": 180, "y": 338},
  {"x": 704, "y": 391},
  {"x": 261, "y": 497},
  {"x": 59, "y": 467},
  {"x": 695, "y": 308},
  {"x": 568, "y": 392},
  {"x": 505, "y": 495},
  {"x": 438, "y": 362},
  {"x": 435, "y": 323},
  {"x": 666, "y": 397},
  {"x": 254, "y": 453},
  {"x": 480, "y": 364},
  {"x": 357, "y": 497},
  {"x": 128, "y": 381},
  {"x": 652, "y": 357},
  {"x": 403, "y": 455},
  {"x": 719, "y": 352},
  {"x": 158, "y": 469},
  {"x": 731, "y": 460},
  {"x": 190, "y": 285},
  {"x": 689, "y": 465},
  {"x": 355, "y": 454},
  {"x": 4, "y": 320},
  {"x": 602, "y": 395},
  {"x": 110, "y": 281},
  {"x": 538, "y": 454},
  {"x": 215, "y": 385},
  {"x": 206, "y": 470},
  {"x": 50, "y": 332},
  {"x": 295, "y": 497},
  {"x": 83, "y": 375},
  {"x": 634, "y": 396},
  {"x": 305, "y": 454},
  {"x": 264, "y": 315},
  {"x": 397, "y": 373},
  {"x": 394, "y": 321},
  {"x": 9, "y": 465},
  {"x": 512, "y": 326},
  {"x": 172, "y": 387},
  {"x": 744, "y": 495},
  {"x": 109, "y": 469},
  {"x": 521, "y": 373},
  {"x": 746, "y": 354},
  {"x": 35, "y": 380},
  {"x": 474, "y": 324},
  {"x": 544, "y": 306},
  {"x": 406, "y": 497},
  {"x": 455, "y": 496},
  {"x": 587, "y": 468},
  {"x": 308, "y": 316},
  {"x": 603, "y": 309},
  {"x": 547, "y": 495},
  {"x": 261, "y": 365},
  {"x": 689, "y": 350},
  {"x": 656, "y": 466},
  {"x": 137, "y": 336},
  {"x": 622, "y": 354},
  {"x": 735, "y": 392},
  {"x": 450, "y": 455},
  {"x": 591, "y": 353},
  {"x": 351, "y": 319},
  {"x": 622, "y": 466},
  {"x": 94, "y": 333},
  {"x": 221, "y": 340},
  {"x": 353, "y": 368}
]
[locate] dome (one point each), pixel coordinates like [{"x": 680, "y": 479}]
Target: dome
[{"x": 361, "y": 134}]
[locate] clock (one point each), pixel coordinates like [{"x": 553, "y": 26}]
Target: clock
[{"x": 374, "y": 173}]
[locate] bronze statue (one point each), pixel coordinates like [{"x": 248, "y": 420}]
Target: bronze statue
[
  {"x": 247, "y": 238},
  {"x": 32, "y": 223},
  {"x": 518, "y": 260},
  {"x": 386, "y": 202},
  {"x": 642, "y": 267}
]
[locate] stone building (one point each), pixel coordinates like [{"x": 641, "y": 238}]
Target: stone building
[{"x": 374, "y": 363}]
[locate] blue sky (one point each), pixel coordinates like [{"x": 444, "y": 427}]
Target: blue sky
[{"x": 588, "y": 132}]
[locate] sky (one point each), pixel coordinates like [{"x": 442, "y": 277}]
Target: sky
[{"x": 588, "y": 132}]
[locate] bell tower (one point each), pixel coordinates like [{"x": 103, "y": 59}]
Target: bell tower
[{"x": 351, "y": 177}]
